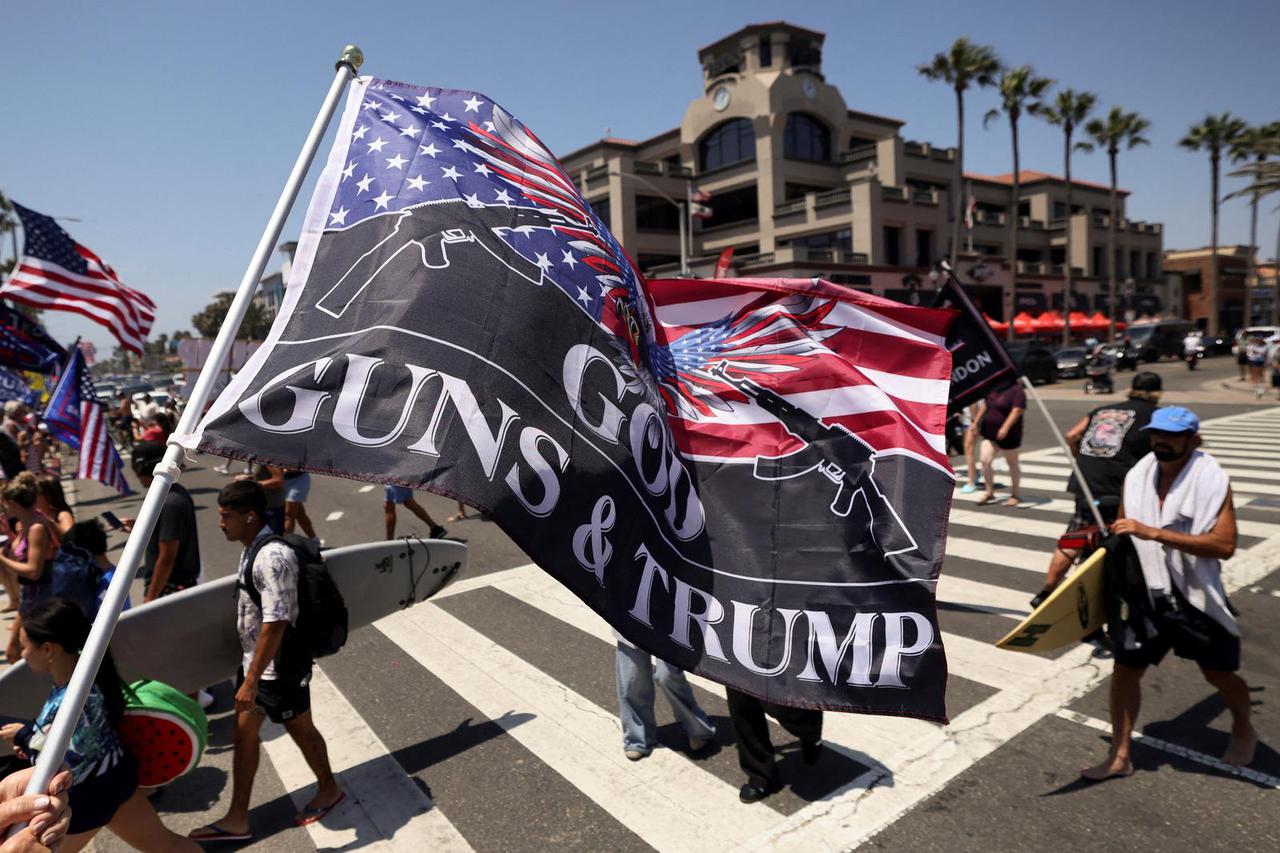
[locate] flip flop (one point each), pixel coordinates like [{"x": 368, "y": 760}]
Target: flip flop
[
  {"x": 213, "y": 834},
  {"x": 318, "y": 813},
  {"x": 986, "y": 500},
  {"x": 1011, "y": 502}
]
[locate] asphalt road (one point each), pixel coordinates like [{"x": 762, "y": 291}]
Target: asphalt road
[{"x": 489, "y": 718}]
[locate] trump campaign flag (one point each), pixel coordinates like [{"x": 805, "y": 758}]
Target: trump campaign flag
[
  {"x": 979, "y": 362},
  {"x": 75, "y": 416},
  {"x": 746, "y": 478},
  {"x": 25, "y": 345}
]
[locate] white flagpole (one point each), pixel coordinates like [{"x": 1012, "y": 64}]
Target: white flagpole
[{"x": 170, "y": 468}]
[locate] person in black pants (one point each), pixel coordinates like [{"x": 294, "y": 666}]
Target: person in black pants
[{"x": 755, "y": 750}]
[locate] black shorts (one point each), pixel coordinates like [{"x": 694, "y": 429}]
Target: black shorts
[
  {"x": 1083, "y": 516},
  {"x": 1214, "y": 648},
  {"x": 95, "y": 801},
  {"x": 282, "y": 698}
]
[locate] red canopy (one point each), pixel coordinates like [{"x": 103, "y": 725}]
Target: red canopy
[
  {"x": 1101, "y": 321},
  {"x": 1023, "y": 323},
  {"x": 1080, "y": 322},
  {"x": 1049, "y": 321},
  {"x": 998, "y": 325}
]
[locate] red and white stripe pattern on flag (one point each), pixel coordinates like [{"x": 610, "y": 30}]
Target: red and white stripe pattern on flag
[
  {"x": 55, "y": 273},
  {"x": 98, "y": 457},
  {"x": 877, "y": 367}
]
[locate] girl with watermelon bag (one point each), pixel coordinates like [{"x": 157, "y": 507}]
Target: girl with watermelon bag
[{"x": 104, "y": 790}]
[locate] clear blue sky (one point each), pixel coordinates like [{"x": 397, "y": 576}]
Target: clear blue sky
[{"x": 169, "y": 127}]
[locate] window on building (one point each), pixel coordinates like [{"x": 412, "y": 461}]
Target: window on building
[
  {"x": 1099, "y": 261},
  {"x": 1024, "y": 208},
  {"x": 806, "y": 138},
  {"x": 656, "y": 214},
  {"x": 841, "y": 240},
  {"x": 673, "y": 161},
  {"x": 803, "y": 53},
  {"x": 738, "y": 205},
  {"x": 766, "y": 51},
  {"x": 647, "y": 261},
  {"x": 1153, "y": 266},
  {"x": 600, "y": 206},
  {"x": 791, "y": 191},
  {"x": 1057, "y": 254},
  {"x": 1191, "y": 282},
  {"x": 1119, "y": 259},
  {"x": 924, "y": 248},
  {"x": 892, "y": 245},
  {"x": 729, "y": 143},
  {"x": 856, "y": 141},
  {"x": 1059, "y": 209},
  {"x": 1135, "y": 263},
  {"x": 851, "y": 278}
]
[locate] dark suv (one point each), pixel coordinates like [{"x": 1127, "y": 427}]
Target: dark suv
[{"x": 1033, "y": 360}]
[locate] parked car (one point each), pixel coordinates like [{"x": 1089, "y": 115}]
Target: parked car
[
  {"x": 1070, "y": 362},
  {"x": 1033, "y": 360},
  {"x": 1263, "y": 332},
  {"x": 1217, "y": 344},
  {"x": 1126, "y": 356},
  {"x": 1157, "y": 340}
]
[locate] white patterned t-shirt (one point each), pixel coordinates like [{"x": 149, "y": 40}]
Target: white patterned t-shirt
[{"x": 275, "y": 574}]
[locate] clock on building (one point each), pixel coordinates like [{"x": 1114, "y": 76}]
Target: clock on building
[
  {"x": 720, "y": 99},
  {"x": 810, "y": 88}
]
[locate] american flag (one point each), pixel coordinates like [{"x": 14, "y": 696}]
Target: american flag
[
  {"x": 874, "y": 366},
  {"x": 75, "y": 416},
  {"x": 412, "y": 146},
  {"x": 58, "y": 274}
]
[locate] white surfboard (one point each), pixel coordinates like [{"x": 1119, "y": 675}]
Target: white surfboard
[{"x": 189, "y": 639}]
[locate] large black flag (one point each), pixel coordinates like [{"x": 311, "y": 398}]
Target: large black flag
[
  {"x": 746, "y": 478},
  {"x": 979, "y": 362}
]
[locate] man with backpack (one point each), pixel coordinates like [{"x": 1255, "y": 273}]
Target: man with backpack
[{"x": 275, "y": 675}]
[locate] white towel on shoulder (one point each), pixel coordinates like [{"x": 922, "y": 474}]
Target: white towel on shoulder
[{"x": 1191, "y": 507}]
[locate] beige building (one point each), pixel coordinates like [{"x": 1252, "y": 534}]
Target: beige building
[{"x": 800, "y": 184}]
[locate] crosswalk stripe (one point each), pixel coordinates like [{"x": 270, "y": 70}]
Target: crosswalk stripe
[
  {"x": 1009, "y": 524},
  {"x": 989, "y": 598},
  {"x": 366, "y": 488},
  {"x": 334, "y": 516},
  {"x": 1056, "y": 505},
  {"x": 666, "y": 800},
  {"x": 999, "y": 555},
  {"x": 385, "y": 810},
  {"x": 862, "y": 737},
  {"x": 1227, "y": 463},
  {"x": 1242, "y": 474},
  {"x": 981, "y": 661},
  {"x": 1056, "y": 485}
]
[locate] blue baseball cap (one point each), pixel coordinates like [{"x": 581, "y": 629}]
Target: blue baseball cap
[{"x": 1174, "y": 419}]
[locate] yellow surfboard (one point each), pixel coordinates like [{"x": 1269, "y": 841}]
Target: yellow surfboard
[{"x": 1077, "y": 608}]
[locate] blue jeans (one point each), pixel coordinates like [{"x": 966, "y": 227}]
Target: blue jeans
[{"x": 635, "y": 700}]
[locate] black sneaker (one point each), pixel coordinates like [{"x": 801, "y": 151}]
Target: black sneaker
[
  {"x": 1040, "y": 597},
  {"x": 811, "y": 751},
  {"x": 749, "y": 793},
  {"x": 438, "y": 532}
]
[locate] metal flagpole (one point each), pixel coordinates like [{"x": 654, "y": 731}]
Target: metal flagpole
[
  {"x": 170, "y": 468},
  {"x": 1071, "y": 457}
]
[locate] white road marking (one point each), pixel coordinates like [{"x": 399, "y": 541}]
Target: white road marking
[
  {"x": 997, "y": 555},
  {"x": 1228, "y": 465},
  {"x": 861, "y": 737},
  {"x": 385, "y": 810},
  {"x": 334, "y": 516},
  {"x": 368, "y": 487},
  {"x": 1176, "y": 749},
  {"x": 989, "y": 598},
  {"x": 669, "y": 801}
]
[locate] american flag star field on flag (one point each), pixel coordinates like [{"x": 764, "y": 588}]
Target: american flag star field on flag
[{"x": 55, "y": 273}]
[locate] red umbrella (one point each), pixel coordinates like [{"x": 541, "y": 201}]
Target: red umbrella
[
  {"x": 1101, "y": 322},
  {"x": 1023, "y": 324},
  {"x": 998, "y": 325},
  {"x": 1049, "y": 321},
  {"x": 1080, "y": 322}
]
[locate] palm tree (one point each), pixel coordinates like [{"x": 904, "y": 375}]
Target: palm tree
[
  {"x": 1118, "y": 129},
  {"x": 1020, "y": 89},
  {"x": 1264, "y": 179},
  {"x": 1256, "y": 143},
  {"x": 1068, "y": 110},
  {"x": 1214, "y": 134},
  {"x": 965, "y": 64}
]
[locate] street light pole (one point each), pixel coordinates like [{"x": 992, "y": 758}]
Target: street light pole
[{"x": 679, "y": 206}]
